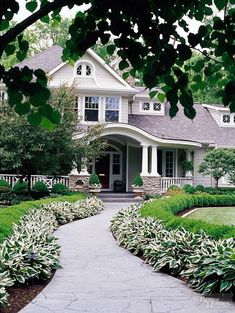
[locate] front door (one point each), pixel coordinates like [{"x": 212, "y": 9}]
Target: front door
[{"x": 102, "y": 169}]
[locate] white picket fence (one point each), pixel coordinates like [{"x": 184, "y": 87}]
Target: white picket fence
[
  {"x": 48, "y": 180},
  {"x": 166, "y": 182}
]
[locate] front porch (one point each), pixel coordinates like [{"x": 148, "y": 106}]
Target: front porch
[{"x": 132, "y": 151}]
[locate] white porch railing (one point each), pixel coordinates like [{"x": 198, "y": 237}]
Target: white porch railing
[
  {"x": 48, "y": 180},
  {"x": 166, "y": 182}
]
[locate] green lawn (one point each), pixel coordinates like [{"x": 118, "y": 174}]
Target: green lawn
[
  {"x": 12, "y": 214},
  {"x": 215, "y": 215}
]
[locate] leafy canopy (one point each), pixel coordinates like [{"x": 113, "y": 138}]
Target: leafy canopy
[
  {"x": 147, "y": 36},
  {"x": 217, "y": 163}
]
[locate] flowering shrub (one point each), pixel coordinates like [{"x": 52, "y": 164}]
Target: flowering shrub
[
  {"x": 206, "y": 263},
  {"x": 34, "y": 236}
]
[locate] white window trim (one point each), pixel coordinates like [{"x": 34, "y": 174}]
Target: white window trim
[
  {"x": 231, "y": 123},
  {"x": 84, "y": 63},
  {"x": 151, "y": 111},
  {"x": 101, "y": 111},
  {"x": 104, "y": 109}
]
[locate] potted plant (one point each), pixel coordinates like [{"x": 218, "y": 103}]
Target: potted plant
[
  {"x": 94, "y": 184},
  {"x": 187, "y": 166},
  {"x": 138, "y": 186}
]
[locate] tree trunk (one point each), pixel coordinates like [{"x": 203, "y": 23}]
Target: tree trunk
[{"x": 216, "y": 183}]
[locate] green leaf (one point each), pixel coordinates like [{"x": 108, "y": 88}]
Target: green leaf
[
  {"x": 35, "y": 118},
  {"x": 10, "y": 49},
  {"x": 220, "y": 4},
  {"x": 152, "y": 94},
  {"x": 55, "y": 117},
  {"x": 31, "y": 6},
  {"x": 47, "y": 124},
  {"x": 161, "y": 97},
  {"x": 110, "y": 49},
  {"x": 22, "y": 108}
]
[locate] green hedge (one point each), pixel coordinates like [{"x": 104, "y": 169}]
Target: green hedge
[
  {"x": 12, "y": 214},
  {"x": 165, "y": 209}
]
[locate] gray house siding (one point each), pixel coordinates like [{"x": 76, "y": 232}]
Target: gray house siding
[
  {"x": 198, "y": 178},
  {"x": 134, "y": 164}
]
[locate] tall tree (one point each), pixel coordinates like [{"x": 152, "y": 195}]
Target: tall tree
[
  {"x": 28, "y": 149},
  {"x": 148, "y": 37},
  {"x": 217, "y": 163}
]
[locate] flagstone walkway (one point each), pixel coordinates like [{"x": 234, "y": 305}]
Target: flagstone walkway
[{"x": 100, "y": 277}]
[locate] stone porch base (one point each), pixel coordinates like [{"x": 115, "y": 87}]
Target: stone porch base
[
  {"x": 79, "y": 182},
  {"x": 152, "y": 184}
]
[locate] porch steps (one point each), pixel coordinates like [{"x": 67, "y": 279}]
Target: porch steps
[{"x": 118, "y": 197}]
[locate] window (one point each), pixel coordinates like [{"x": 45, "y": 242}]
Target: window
[
  {"x": 91, "y": 109},
  {"x": 145, "y": 106},
  {"x": 88, "y": 70},
  {"x": 157, "y": 106},
  {"x": 169, "y": 163},
  {"x": 111, "y": 109},
  {"x": 226, "y": 118},
  {"x": 116, "y": 164},
  {"x": 83, "y": 69}
]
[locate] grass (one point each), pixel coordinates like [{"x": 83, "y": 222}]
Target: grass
[
  {"x": 12, "y": 214},
  {"x": 215, "y": 215}
]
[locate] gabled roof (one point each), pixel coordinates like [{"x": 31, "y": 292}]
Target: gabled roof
[
  {"x": 46, "y": 60},
  {"x": 50, "y": 61},
  {"x": 203, "y": 128}
]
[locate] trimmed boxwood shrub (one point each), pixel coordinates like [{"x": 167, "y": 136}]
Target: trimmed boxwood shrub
[
  {"x": 138, "y": 181},
  {"x": 60, "y": 189},
  {"x": 20, "y": 188},
  {"x": 40, "y": 190},
  {"x": 4, "y": 186},
  {"x": 200, "y": 188},
  {"x": 188, "y": 189},
  {"x": 94, "y": 179},
  {"x": 165, "y": 209}
]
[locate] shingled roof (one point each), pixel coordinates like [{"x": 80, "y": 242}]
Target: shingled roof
[
  {"x": 47, "y": 60},
  {"x": 203, "y": 128}
]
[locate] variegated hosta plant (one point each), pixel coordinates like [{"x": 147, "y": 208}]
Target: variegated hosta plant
[
  {"x": 34, "y": 235},
  {"x": 66, "y": 212},
  {"x": 5, "y": 281},
  {"x": 208, "y": 265},
  {"x": 212, "y": 268}
]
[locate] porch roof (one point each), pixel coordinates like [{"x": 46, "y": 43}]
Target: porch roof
[{"x": 202, "y": 129}]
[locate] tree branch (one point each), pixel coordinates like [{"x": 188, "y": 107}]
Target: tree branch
[{"x": 11, "y": 35}]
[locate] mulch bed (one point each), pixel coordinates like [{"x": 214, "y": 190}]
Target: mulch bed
[{"x": 20, "y": 296}]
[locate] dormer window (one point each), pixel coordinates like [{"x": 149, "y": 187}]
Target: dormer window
[
  {"x": 84, "y": 69},
  {"x": 226, "y": 118},
  {"x": 157, "y": 107},
  {"x": 151, "y": 107}
]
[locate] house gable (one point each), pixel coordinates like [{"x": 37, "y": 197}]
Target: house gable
[{"x": 102, "y": 76}]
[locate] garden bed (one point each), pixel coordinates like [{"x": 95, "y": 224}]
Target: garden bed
[
  {"x": 32, "y": 251},
  {"x": 199, "y": 253}
]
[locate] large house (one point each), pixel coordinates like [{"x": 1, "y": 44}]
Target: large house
[{"x": 142, "y": 137}]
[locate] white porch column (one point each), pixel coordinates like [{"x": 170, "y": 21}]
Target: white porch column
[
  {"x": 188, "y": 158},
  {"x": 144, "y": 161},
  {"x": 154, "y": 166}
]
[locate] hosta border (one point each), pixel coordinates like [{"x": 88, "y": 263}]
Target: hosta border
[
  {"x": 207, "y": 264},
  {"x": 165, "y": 209},
  {"x": 33, "y": 236}
]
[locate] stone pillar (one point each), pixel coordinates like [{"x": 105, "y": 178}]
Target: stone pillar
[
  {"x": 79, "y": 181},
  {"x": 152, "y": 184},
  {"x": 188, "y": 158},
  {"x": 144, "y": 171},
  {"x": 154, "y": 166}
]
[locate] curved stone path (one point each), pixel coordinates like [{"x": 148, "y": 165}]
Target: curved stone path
[{"x": 100, "y": 277}]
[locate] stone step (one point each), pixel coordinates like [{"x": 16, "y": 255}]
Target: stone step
[
  {"x": 121, "y": 200},
  {"x": 128, "y": 195}
]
